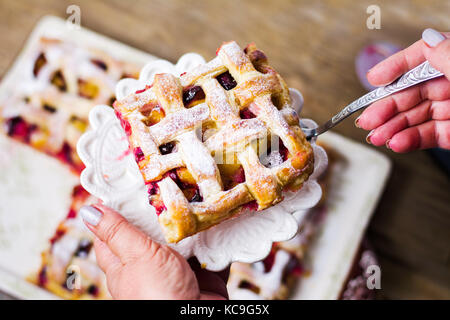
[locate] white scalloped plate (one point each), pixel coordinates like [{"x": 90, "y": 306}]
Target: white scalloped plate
[
  {"x": 38, "y": 193},
  {"x": 112, "y": 175}
]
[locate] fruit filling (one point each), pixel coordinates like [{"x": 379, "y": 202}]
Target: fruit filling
[
  {"x": 269, "y": 261},
  {"x": 154, "y": 197},
  {"x": 99, "y": 63},
  {"x": 84, "y": 247},
  {"x": 42, "y": 277},
  {"x": 283, "y": 150},
  {"x": 275, "y": 156},
  {"x": 244, "y": 284},
  {"x": 87, "y": 89},
  {"x": 58, "y": 235},
  {"x": 252, "y": 205},
  {"x": 294, "y": 267},
  {"x": 138, "y": 154},
  {"x": 141, "y": 90},
  {"x": 167, "y": 148},
  {"x": 153, "y": 113},
  {"x": 65, "y": 154},
  {"x": 186, "y": 183},
  {"x": 93, "y": 290},
  {"x": 17, "y": 127},
  {"x": 226, "y": 80},
  {"x": 40, "y": 62},
  {"x": 246, "y": 114},
  {"x": 231, "y": 175},
  {"x": 49, "y": 108},
  {"x": 57, "y": 79},
  {"x": 124, "y": 123},
  {"x": 192, "y": 95}
]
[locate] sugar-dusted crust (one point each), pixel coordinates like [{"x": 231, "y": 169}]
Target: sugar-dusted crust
[
  {"x": 54, "y": 90},
  {"x": 239, "y": 104}
]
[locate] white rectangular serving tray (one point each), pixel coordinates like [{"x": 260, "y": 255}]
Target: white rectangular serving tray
[{"x": 35, "y": 193}]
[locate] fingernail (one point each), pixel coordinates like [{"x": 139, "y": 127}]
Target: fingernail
[
  {"x": 91, "y": 215},
  {"x": 432, "y": 37},
  {"x": 387, "y": 144},
  {"x": 356, "y": 122},
  {"x": 368, "y": 137}
]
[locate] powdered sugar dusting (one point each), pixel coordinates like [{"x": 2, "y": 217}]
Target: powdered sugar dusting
[
  {"x": 199, "y": 161},
  {"x": 179, "y": 122}
]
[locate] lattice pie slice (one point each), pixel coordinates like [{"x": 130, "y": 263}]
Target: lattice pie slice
[{"x": 215, "y": 140}]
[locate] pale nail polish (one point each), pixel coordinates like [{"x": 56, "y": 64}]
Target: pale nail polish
[
  {"x": 387, "y": 144},
  {"x": 368, "y": 137},
  {"x": 432, "y": 37},
  {"x": 91, "y": 215},
  {"x": 356, "y": 122}
]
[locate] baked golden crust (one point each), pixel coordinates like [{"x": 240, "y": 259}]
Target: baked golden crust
[{"x": 231, "y": 99}]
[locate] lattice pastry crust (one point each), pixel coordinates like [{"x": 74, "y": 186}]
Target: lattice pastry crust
[
  {"x": 198, "y": 140},
  {"x": 59, "y": 82}
]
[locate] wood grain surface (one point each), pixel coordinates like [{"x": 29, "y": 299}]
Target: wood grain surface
[{"x": 313, "y": 45}]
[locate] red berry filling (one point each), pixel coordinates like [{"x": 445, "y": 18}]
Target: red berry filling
[
  {"x": 58, "y": 234},
  {"x": 42, "y": 277},
  {"x": 138, "y": 154},
  {"x": 226, "y": 80},
  {"x": 283, "y": 150},
  {"x": 152, "y": 188},
  {"x": 190, "y": 191},
  {"x": 65, "y": 154},
  {"x": 154, "y": 197},
  {"x": 142, "y": 90},
  {"x": 269, "y": 261},
  {"x": 17, "y": 127},
  {"x": 294, "y": 267},
  {"x": 252, "y": 205},
  {"x": 79, "y": 191},
  {"x": 247, "y": 114},
  {"x": 166, "y": 148},
  {"x": 125, "y": 124},
  {"x": 192, "y": 94},
  {"x": 72, "y": 214},
  {"x": 158, "y": 204},
  {"x": 239, "y": 175}
]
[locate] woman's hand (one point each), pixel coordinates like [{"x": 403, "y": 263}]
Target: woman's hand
[
  {"x": 417, "y": 117},
  {"x": 137, "y": 267}
]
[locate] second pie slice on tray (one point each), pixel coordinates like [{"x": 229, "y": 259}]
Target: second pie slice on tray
[{"x": 215, "y": 140}]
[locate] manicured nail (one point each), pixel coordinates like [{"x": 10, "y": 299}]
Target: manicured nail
[
  {"x": 91, "y": 215},
  {"x": 432, "y": 37},
  {"x": 356, "y": 122},
  {"x": 387, "y": 144},
  {"x": 368, "y": 137}
]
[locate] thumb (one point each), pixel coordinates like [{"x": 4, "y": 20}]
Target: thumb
[
  {"x": 125, "y": 240},
  {"x": 437, "y": 50}
]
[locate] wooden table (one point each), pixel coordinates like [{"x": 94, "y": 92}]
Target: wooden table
[{"x": 313, "y": 45}]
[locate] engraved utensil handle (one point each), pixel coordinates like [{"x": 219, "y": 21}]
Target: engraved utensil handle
[{"x": 421, "y": 73}]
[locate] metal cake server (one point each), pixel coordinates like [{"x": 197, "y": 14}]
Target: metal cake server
[{"x": 419, "y": 74}]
